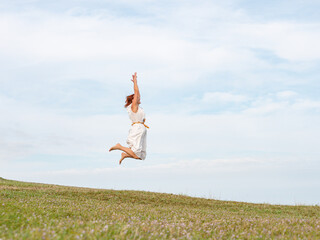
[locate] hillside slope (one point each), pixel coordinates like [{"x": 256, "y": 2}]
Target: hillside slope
[{"x": 43, "y": 211}]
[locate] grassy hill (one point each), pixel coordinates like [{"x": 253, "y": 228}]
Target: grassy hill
[{"x": 43, "y": 211}]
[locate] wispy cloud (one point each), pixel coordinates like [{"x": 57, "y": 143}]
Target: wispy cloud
[
  {"x": 221, "y": 97},
  {"x": 258, "y": 126},
  {"x": 286, "y": 94}
]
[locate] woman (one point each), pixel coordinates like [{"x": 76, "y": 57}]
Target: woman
[{"x": 138, "y": 131}]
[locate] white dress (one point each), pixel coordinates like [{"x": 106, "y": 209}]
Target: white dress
[{"x": 137, "y": 138}]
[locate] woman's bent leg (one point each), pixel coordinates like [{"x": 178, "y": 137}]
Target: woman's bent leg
[{"x": 118, "y": 146}]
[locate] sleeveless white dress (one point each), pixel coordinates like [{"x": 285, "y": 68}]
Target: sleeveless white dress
[{"x": 137, "y": 138}]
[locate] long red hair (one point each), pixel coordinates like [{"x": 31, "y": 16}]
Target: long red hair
[{"x": 129, "y": 100}]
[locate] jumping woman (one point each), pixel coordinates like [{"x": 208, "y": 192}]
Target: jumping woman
[{"x": 138, "y": 132}]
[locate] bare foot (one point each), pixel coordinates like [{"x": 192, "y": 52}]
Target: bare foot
[
  {"x": 115, "y": 147},
  {"x": 123, "y": 155}
]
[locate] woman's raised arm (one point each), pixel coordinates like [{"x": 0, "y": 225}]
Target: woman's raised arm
[{"x": 136, "y": 98}]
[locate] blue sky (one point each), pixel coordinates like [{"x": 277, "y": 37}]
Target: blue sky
[{"x": 230, "y": 91}]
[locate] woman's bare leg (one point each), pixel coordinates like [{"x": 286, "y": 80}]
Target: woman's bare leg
[
  {"x": 115, "y": 147},
  {"x": 123, "y": 156},
  {"x": 125, "y": 149}
]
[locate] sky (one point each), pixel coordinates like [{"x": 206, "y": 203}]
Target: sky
[{"x": 230, "y": 90}]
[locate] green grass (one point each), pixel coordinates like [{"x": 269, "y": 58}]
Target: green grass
[{"x": 43, "y": 211}]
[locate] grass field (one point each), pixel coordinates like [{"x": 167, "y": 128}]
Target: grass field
[{"x": 43, "y": 211}]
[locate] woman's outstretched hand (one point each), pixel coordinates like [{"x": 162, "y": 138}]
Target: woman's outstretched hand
[{"x": 134, "y": 78}]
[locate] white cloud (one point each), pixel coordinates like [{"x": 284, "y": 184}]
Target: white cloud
[
  {"x": 30, "y": 130},
  {"x": 286, "y": 94},
  {"x": 103, "y": 44},
  {"x": 286, "y": 102},
  {"x": 223, "y": 97},
  {"x": 266, "y": 108},
  {"x": 306, "y": 104},
  {"x": 112, "y": 44},
  {"x": 288, "y": 40}
]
